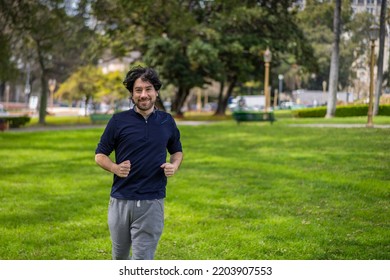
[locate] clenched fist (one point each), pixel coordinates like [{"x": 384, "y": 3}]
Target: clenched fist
[
  {"x": 169, "y": 169},
  {"x": 123, "y": 169}
]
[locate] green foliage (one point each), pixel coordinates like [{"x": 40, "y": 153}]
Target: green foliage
[
  {"x": 8, "y": 69},
  {"x": 110, "y": 87},
  {"x": 384, "y": 110},
  {"x": 192, "y": 42},
  {"x": 50, "y": 36},
  {"x": 89, "y": 82},
  {"x": 248, "y": 192},
  {"x": 317, "y": 23},
  {"x": 341, "y": 111},
  {"x": 82, "y": 84},
  {"x": 169, "y": 59},
  {"x": 318, "y": 112},
  {"x": 202, "y": 55}
]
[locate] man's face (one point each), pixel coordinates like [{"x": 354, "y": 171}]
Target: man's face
[{"x": 144, "y": 95}]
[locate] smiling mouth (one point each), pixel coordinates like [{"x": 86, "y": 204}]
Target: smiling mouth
[{"x": 144, "y": 104}]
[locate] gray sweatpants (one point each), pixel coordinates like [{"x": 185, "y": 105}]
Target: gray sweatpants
[{"x": 135, "y": 224}]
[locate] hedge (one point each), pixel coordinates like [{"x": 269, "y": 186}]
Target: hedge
[{"x": 341, "y": 111}]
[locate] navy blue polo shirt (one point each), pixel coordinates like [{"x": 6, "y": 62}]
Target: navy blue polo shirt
[{"x": 145, "y": 143}]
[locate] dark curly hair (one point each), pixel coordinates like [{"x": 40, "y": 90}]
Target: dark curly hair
[{"x": 146, "y": 74}]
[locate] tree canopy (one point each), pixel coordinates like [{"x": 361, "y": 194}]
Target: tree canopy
[
  {"x": 191, "y": 43},
  {"x": 50, "y": 35}
]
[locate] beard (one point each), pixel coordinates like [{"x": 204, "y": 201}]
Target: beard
[{"x": 145, "y": 104}]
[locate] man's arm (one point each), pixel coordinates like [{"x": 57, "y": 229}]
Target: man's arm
[
  {"x": 121, "y": 170},
  {"x": 176, "y": 159},
  {"x": 173, "y": 165}
]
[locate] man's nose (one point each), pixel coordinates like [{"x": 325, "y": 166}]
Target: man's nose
[{"x": 144, "y": 93}]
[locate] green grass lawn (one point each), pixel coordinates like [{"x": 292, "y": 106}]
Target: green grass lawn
[{"x": 244, "y": 192}]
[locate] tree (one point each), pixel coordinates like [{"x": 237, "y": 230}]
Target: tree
[
  {"x": 48, "y": 35},
  {"x": 334, "y": 65},
  {"x": 8, "y": 70},
  {"x": 191, "y": 43},
  {"x": 183, "y": 66},
  {"x": 110, "y": 88},
  {"x": 386, "y": 74},
  {"x": 246, "y": 31},
  {"x": 160, "y": 34},
  {"x": 316, "y": 21},
  {"x": 353, "y": 51},
  {"x": 81, "y": 85},
  {"x": 88, "y": 83},
  {"x": 382, "y": 34}
]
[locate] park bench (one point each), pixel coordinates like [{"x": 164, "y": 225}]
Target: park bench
[
  {"x": 13, "y": 121},
  {"x": 100, "y": 118},
  {"x": 253, "y": 116}
]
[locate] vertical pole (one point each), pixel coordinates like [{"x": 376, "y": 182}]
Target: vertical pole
[
  {"x": 199, "y": 100},
  {"x": 266, "y": 87},
  {"x": 51, "y": 99},
  {"x": 370, "y": 100},
  {"x": 275, "y": 98},
  {"x": 7, "y": 89}
]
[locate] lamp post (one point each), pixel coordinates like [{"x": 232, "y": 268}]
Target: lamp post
[
  {"x": 267, "y": 60},
  {"x": 374, "y": 35},
  {"x": 52, "y": 86}
]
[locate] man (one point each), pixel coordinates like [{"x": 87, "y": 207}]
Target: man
[{"x": 140, "y": 138}]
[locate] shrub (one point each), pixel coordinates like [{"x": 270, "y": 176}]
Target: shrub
[
  {"x": 341, "y": 111},
  {"x": 318, "y": 112},
  {"x": 384, "y": 110}
]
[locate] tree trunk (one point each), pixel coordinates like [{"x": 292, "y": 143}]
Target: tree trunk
[
  {"x": 219, "y": 110},
  {"x": 379, "y": 79},
  {"x": 225, "y": 98},
  {"x": 87, "y": 98},
  {"x": 43, "y": 99},
  {"x": 334, "y": 65},
  {"x": 2, "y": 90},
  {"x": 178, "y": 103}
]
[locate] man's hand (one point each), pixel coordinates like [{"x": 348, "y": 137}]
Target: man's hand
[
  {"x": 122, "y": 169},
  {"x": 169, "y": 169}
]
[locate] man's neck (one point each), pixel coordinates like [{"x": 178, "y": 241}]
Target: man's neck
[{"x": 145, "y": 114}]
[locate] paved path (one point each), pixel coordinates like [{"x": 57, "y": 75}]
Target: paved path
[
  {"x": 179, "y": 123},
  {"x": 88, "y": 126},
  {"x": 341, "y": 125}
]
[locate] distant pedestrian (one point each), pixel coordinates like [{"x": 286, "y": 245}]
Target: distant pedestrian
[{"x": 140, "y": 138}]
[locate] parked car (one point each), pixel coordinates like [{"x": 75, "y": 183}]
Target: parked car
[{"x": 291, "y": 105}]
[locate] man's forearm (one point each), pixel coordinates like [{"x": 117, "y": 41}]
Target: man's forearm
[
  {"x": 105, "y": 162},
  {"x": 176, "y": 159}
]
